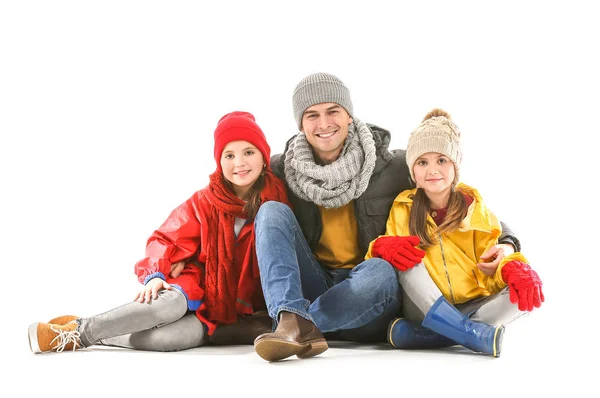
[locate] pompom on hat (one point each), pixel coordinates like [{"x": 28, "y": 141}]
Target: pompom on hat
[
  {"x": 320, "y": 88},
  {"x": 240, "y": 126},
  {"x": 436, "y": 133}
]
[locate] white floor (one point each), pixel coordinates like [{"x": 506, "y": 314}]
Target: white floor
[
  {"x": 536, "y": 361},
  {"x": 553, "y": 350}
]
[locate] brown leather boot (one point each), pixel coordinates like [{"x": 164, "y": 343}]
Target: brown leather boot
[
  {"x": 294, "y": 336},
  {"x": 244, "y": 331}
]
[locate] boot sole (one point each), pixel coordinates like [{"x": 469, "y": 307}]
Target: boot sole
[
  {"x": 276, "y": 350},
  {"x": 34, "y": 345}
]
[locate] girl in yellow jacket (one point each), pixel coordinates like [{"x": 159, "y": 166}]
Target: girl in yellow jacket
[{"x": 448, "y": 299}]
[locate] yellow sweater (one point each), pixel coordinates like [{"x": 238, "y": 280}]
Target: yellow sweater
[{"x": 338, "y": 245}]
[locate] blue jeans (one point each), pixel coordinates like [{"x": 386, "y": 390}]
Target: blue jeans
[{"x": 358, "y": 303}]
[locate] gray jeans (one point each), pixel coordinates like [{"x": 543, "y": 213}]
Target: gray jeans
[
  {"x": 420, "y": 293},
  {"x": 163, "y": 324}
]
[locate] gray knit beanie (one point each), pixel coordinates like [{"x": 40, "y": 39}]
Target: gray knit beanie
[
  {"x": 436, "y": 133},
  {"x": 317, "y": 89}
]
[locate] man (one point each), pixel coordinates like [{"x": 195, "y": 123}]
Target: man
[{"x": 341, "y": 180}]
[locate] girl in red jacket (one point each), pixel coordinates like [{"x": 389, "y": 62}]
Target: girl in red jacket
[{"x": 200, "y": 273}]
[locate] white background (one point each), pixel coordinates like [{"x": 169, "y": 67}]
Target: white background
[{"x": 107, "y": 111}]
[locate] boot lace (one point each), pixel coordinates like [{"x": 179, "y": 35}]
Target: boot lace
[{"x": 65, "y": 337}]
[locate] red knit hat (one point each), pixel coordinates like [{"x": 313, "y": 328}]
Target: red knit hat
[{"x": 240, "y": 126}]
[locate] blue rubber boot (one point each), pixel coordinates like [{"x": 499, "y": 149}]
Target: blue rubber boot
[
  {"x": 407, "y": 335},
  {"x": 446, "y": 320}
]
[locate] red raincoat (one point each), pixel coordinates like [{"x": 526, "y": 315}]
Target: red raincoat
[{"x": 185, "y": 236}]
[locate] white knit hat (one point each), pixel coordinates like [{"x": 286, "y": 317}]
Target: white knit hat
[{"x": 438, "y": 134}]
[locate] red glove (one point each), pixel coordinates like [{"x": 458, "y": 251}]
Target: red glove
[
  {"x": 400, "y": 251},
  {"x": 524, "y": 285}
]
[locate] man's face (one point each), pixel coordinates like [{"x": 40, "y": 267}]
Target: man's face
[{"x": 326, "y": 129}]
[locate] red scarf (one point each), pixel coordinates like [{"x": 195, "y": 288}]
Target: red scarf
[{"x": 223, "y": 283}]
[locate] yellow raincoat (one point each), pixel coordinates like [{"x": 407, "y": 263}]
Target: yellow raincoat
[{"x": 452, "y": 262}]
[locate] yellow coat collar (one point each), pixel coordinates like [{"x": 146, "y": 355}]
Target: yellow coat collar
[{"x": 478, "y": 216}]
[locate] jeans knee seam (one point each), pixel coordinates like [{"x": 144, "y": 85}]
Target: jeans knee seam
[{"x": 307, "y": 251}]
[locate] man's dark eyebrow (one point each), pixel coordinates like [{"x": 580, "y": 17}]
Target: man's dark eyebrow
[{"x": 335, "y": 106}]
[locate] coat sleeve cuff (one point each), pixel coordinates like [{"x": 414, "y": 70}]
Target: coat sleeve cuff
[{"x": 154, "y": 275}]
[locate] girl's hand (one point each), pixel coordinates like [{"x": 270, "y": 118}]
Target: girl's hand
[
  {"x": 400, "y": 251},
  {"x": 490, "y": 260},
  {"x": 524, "y": 285},
  {"x": 176, "y": 269},
  {"x": 151, "y": 290}
]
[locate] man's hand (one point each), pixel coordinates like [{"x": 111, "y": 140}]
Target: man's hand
[
  {"x": 176, "y": 269},
  {"x": 491, "y": 258},
  {"x": 151, "y": 290}
]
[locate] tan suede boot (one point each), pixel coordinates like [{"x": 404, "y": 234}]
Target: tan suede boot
[
  {"x": 294, "y": 336},
  {"x": 45, "y": 337},
  {"x": 244, "y": 331},
  {"x": 62, "y": 320}
]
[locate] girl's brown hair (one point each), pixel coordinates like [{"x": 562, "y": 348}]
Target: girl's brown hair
[
  {"x": 419, "y": 225},
  {"x": 254, "y": 200}
]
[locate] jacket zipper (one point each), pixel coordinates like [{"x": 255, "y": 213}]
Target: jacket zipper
[
  {"x": 475, "y": 276},
  {"x": 446, "y": 269}
]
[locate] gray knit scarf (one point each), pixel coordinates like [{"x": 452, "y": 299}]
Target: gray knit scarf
[{"x": 336, "y": 184}]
